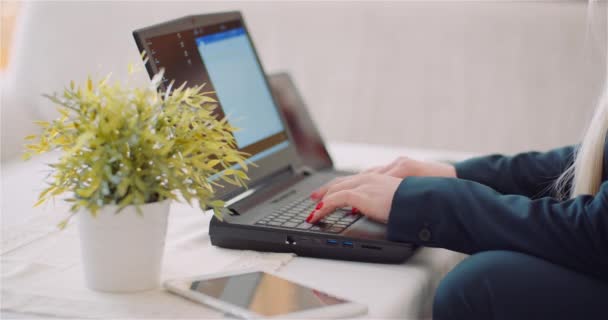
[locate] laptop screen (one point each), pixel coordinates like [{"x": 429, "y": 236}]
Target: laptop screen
[
  {"x": 222, "y": 56},
  {"x": 304, "y": 133}
]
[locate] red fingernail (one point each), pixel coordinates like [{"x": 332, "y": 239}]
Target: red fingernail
[
  {"x": 319, "y": 205},
  {"x": 312, "y": 214},
  {"x": 354, "y": 211}
]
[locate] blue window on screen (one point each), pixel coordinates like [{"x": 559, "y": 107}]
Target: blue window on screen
[{"x": 240, "y": 85}]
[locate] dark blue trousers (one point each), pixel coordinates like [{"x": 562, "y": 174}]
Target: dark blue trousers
[{"x": 511, "y": 285}]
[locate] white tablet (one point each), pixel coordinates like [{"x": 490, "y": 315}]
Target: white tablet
[{"x": 258, "y": 294}]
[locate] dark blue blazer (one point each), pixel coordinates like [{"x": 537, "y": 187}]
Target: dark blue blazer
[{"x": 506, "y": 203}]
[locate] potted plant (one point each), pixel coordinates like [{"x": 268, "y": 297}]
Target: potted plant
[{"x": 125, "y": 153}]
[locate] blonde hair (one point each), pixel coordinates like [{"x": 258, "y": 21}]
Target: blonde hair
[{"x": 584, "y": 176}]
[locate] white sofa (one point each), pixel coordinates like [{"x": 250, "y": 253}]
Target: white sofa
[{"x": 477, "y": 76}]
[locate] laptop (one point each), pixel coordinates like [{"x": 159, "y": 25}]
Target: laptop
[{"x": 268, "y": 215}]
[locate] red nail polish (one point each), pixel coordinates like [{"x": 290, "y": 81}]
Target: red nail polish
[
  {"x": 319, "y": 205},
  {"x": 312, "y": 214},
  {"x": 354, "y": 211}
]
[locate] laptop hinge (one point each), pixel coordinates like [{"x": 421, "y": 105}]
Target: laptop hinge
[
  {"x": 304, "y": 171},
  {"x": 264, "y": 190},
  {"x": 276, "y": 177}
]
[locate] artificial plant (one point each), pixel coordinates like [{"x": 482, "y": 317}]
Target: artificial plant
[{"x": 124, "y": 145}]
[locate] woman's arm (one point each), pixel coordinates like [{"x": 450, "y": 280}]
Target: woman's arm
[
  {"x": 470, "y": 217},
  {"x": 530, "y": 174}
]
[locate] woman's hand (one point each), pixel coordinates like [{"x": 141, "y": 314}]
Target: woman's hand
[
  {"x": 407, "y": 167},
  {"x": 371, "y": 193},
  {"x": 401, "y": 168}
]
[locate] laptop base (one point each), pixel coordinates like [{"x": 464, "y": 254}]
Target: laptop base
[{"x": 306, "y": 244}]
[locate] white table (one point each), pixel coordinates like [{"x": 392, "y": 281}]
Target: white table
[{"x": 403, "y": 291}]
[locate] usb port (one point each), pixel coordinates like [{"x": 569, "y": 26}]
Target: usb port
[
  {"x": 348, "y": 244},
  {"x": 332, "y": 242}
]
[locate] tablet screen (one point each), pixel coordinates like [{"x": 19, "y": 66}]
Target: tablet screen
[{"x": 264, "y": 294}]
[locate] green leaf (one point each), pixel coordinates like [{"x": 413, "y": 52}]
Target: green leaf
[
  {"x": 217, "y": 212},
  {"x": 62, "y": 224},
  {"x": 43, "y": 124},
  {"x": 217, "y": 203},
  {"x": 39, "y": 202}
]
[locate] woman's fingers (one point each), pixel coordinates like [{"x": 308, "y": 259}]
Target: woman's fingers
[
  {"x": 387, "y": 168},
  {"x": 394, "y": 172},
  {"x": 337, "y": 184},
  {"x": 320, "y": 193},
  {"x": 350, "y": 182},
  {"x": 340, "y": 199},
  {"x": 390, "y": 169},
  {"x": 372, "y": 193},
  {"x": 373, "y": 169}
]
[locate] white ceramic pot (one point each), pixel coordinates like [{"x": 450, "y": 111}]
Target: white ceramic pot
[{"x": 123, "y": 252}]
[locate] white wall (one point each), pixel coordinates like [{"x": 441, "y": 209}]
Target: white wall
[{"x": 476, "y": 76}]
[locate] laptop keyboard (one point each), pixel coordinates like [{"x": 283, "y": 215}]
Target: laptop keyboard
[{"x": 294, "y": 214}]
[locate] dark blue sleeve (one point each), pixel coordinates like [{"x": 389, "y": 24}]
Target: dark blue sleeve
[
  {"x": 530, "y": 174},
  {"x": 470, "y": 217}
]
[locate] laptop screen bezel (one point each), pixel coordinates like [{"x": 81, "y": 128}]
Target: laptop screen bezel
[
  {"x": 280, "y": 161},
  {"x": 304, "y": 121}
]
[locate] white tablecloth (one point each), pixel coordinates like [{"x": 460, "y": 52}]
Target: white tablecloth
[{"x": 45, "y": 276}]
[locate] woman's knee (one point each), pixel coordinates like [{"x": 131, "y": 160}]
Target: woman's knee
[
  {"x": 512, "y": 285},
  {"x": 464, "y": 291}
]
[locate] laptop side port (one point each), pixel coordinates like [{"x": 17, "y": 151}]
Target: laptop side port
[
  {"x": 348, "y": 244},
  {"x": 332, "y": 242},
  {"x": 290, "y": 240},
  {"x": 366, "y": 246}
]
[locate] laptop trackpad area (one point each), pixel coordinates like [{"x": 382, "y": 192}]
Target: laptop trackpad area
[{"x": 365, "y": 228}]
